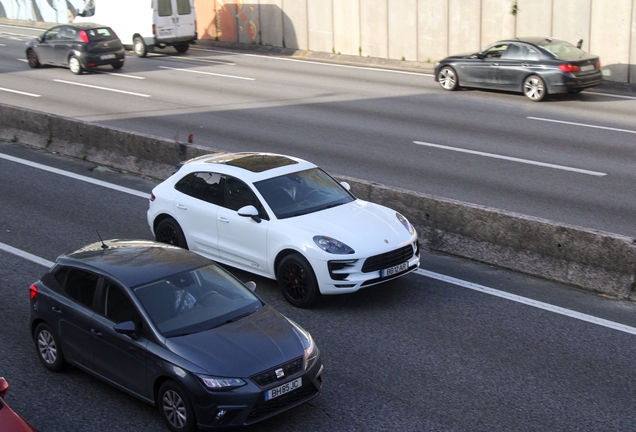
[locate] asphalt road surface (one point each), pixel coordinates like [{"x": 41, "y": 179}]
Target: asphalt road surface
[
  {"x": 457, "y": 346},
  {"x": 569, "y": 159}
]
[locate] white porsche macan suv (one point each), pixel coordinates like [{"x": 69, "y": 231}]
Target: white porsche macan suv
[{"x": 283, "y": 218}]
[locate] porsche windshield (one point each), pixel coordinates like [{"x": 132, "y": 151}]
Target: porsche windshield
[{"x": 302, "y": 192}]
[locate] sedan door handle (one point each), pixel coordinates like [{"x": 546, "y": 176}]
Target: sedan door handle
[
  {"x": 525, "y": 64},
  {"x": 181, "y": 206},
  {"x": 494, "y": 64},
  {"x": 222, "y": 219}
]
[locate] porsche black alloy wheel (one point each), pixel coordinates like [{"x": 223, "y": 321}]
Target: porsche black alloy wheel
[
  {"x": 297, "y": 281},
  {"x": 168, "y": 231}
]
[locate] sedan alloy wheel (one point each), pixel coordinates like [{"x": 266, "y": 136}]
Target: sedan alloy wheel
[
  {"x": 534, "y": 88},
  {"x": 448, "y": 78}
]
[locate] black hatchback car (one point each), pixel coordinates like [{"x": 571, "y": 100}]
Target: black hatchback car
[
  {"x": 175, "y": 330},
  {"x": 535, "y": 66},
  {"x": 78, "y": 46}
]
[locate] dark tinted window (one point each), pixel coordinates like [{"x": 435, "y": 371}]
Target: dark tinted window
[
  {"x": 237, "y": 194},
  {"x": 117, "y": 306},
  {"x": 520, "y": 52},
  {"x": 99, "y": 34},
  {"x": 495, "y": 51},
  {"x": 59, "y": 274},
  {"x": 51, "y": 34},
  {"x": 80, "y": 285},
  {"x": 183, "y": 7},
  {"x": 205, "y": 186}
]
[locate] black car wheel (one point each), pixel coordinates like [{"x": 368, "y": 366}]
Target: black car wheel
[
  {"x": 182, "y": 47},
  {"x": 117, "y": 65},
  {"x": 48, "y": 348},
  {"x": 447, "y": 78},
  {"x": 139, "y": 47},
  {"x": 176, "y": 410},
  {"x": 168, "y": 231},
  {"x": 32, "y": 58},
  {"x": 534, "y": 88},
  {"x": 74, "y": 65},
  {"x": 297, "y": 281}
]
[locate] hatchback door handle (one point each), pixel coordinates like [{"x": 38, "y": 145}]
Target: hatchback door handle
[
  {"x": 181, "y": 206},
  {"x": 222, "y": 219},
  {"x": 56, "y": 310},
  {"x": 96, "y": 332}
]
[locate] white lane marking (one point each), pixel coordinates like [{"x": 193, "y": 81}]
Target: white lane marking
[
  {"x": 19, "y": 92},
  {"x": 583, "y": 125},
  {"x": 26, "y": 255},
  {"x": 318, "y": 62},
  {"x": 508, "y": 158},
  {"x": 76, "y": 176},
  {"x": 613, "y": 95},
  {"x": 102, "y": 88},
  {"x": 530, "y": 302},
  {"x": 207, "y": 73},
  {"x": 122, "y": 75},
  {"x": 203, "y": 60}
]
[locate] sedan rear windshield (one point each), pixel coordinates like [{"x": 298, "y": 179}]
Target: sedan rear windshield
[{"x": 561, "y": 49}]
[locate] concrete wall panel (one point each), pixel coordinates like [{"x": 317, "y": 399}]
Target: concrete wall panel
[
  {"x": 571, "y": 21},
  {"x": 346, "y": 26},
  {"x": 534, "y": 17},
  {"x": 632, "y": 54},
  {"x": 206, "y": 19},
  {"x": 320, "y": 25},
  {"x": 611, "y": 28},
  {"x": 464, "y": 20},
  {"x": 497, "y": 21},
  {"x": 374, "y": 30},
  {"x": 403, "y": 29},
  {"x": 432, "y": 26},
  {"x": 248, "y": 16},
  {"x": 271, "y": 22},
  {"x": 295, "y": 28}
]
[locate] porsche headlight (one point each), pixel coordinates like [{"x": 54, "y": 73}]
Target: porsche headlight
[
  {"x": 311, "y": 352},
  {"x": 216, "y": 383},
  {"x": 405, "y": 222},
  {"x": 332, "y": 245}
]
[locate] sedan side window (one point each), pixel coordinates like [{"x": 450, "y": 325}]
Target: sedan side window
[
  {"x": 205, "y": 186},
  {"x": 495, "y": 52},
  {"x": 80, "y": 285}
]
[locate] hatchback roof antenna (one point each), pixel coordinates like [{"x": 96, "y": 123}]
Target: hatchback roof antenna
[{"x": 104, "y": 245}]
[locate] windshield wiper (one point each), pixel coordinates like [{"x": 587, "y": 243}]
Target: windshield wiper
[{"x": 239, "y": 317}]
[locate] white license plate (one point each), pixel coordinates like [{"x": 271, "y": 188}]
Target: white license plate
[
  {"x": 107, "y": 56},
  {"x": 587, "y": 68},
  {"x": 396, "y": 269},
  {"x": 285, "y": 388}
]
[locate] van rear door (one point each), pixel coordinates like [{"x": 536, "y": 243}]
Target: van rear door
[{"x": 174, "y": 20}]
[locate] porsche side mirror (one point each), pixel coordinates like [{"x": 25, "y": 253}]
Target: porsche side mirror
[
  {"x": 346, "y": 185},
  {"x": 249, "y": 211}
]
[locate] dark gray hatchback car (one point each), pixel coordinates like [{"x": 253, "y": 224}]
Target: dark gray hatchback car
[
  {"x": 78, "y": 46},
  {"x": 175, "y": 330}
]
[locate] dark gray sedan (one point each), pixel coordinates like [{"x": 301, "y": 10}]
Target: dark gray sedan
[
  {"x": 78, "y": 46},
  {"x": 175, "y": 330},
  {"x": 535, "y": 66}
]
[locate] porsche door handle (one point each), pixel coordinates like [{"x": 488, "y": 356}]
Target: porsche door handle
[
  {"x": 181, "y": 206},
  {"x": 224, "y": 220}
]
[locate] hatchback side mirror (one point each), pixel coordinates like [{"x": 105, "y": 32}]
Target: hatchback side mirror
[
  {"x": 127, "y": 328},
  {"x": 251, "y": 285}
]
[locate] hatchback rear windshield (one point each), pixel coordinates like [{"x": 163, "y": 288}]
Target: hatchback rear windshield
[{"x": 99, "y": 34}]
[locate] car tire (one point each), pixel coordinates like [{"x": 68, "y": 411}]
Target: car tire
[
  {"x": 48, "y": 348},
  {"x": 32, "y": 58},
  {"x": 168, "y": 231},
  {"x": 534, "y": 88},
  {"x": 74, "y": 65},
  {"x": 297, "y": 281},
  {"x": 139, "y": 47},
  {"x": 447, "y": 78},
  {"x": 175, "y": 408},
  {"x": 117, "y": 66},
  {"x": 182, "y": 47}
]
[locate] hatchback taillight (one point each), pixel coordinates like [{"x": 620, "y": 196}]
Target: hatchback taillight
[
  {"x": 33, "y": 290},
  {"x": 83, "y": 36},
  {"x": 569, "y": 68}
]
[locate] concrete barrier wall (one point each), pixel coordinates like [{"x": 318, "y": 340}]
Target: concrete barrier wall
[{"x": 588, "y": 259}]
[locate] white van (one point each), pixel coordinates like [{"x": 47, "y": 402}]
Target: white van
[{"x": 145, "y": 24}]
